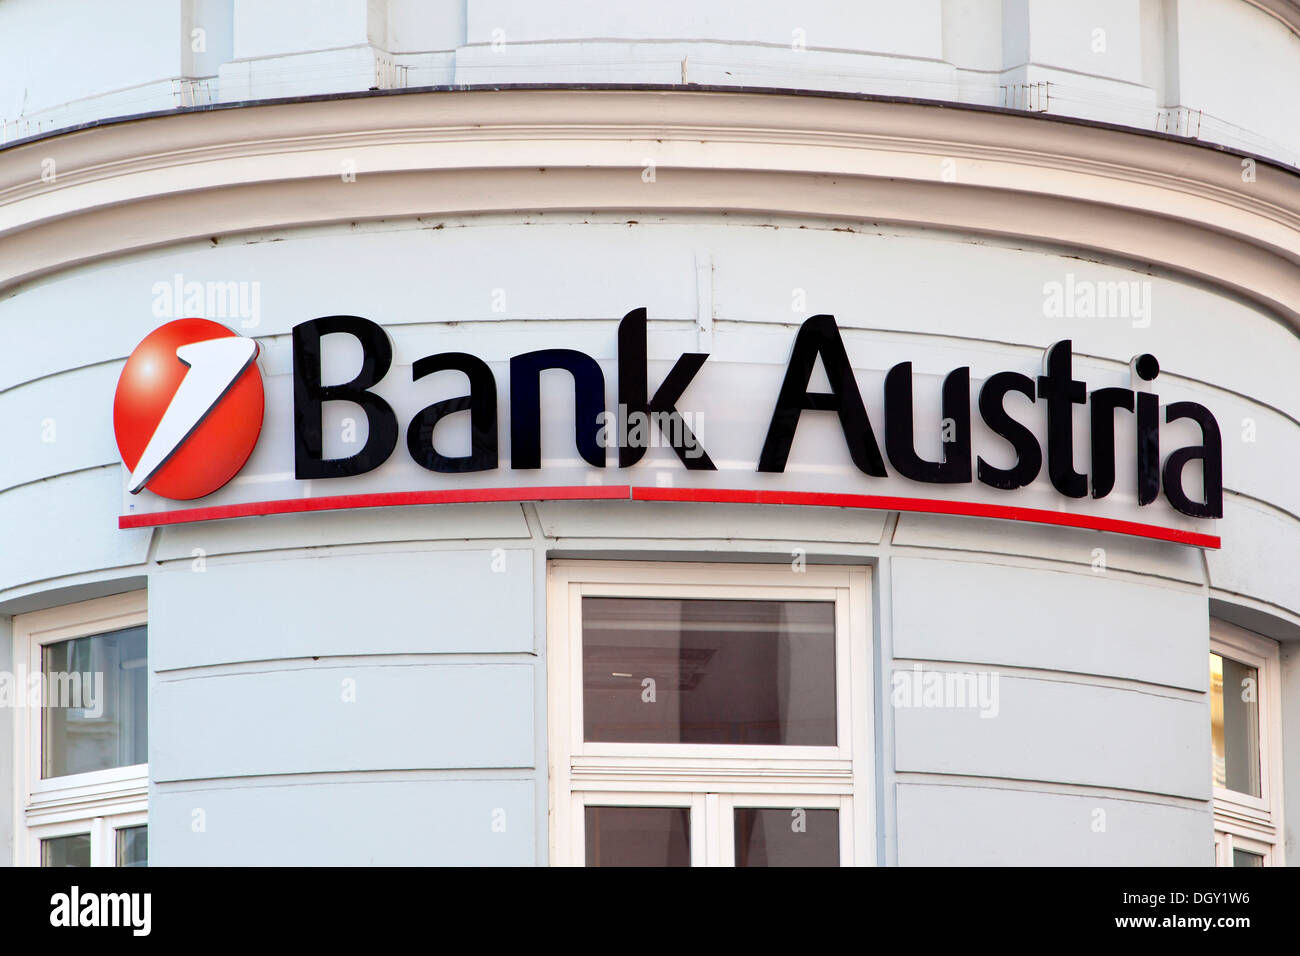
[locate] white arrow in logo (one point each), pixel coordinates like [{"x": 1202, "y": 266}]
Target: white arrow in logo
[{"x": 214, "y": 366}]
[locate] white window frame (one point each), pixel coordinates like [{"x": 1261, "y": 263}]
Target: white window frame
[
  {"x": 711, "y": 779},
  {"x": 1243, "y": 821},
  {"x": 97, "y": 803}
]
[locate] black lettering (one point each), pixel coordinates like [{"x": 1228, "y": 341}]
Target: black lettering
[
  {"x": 526, "y": 410},
  {"x": 899, "y": 438},
  {"x": 819, "y": 335},
  {"x": 1029, "y": 457},
  {"x": 1146, "y": 368},
  {"x": 481, "y": 403},
  {"x": 1062, "y": 393},
  {"x": 1210, "y": 452},
  {"x": 632, "y": 390},
  {"x": 1104, "y": 403},
  {"x": 309, "y": 395}
]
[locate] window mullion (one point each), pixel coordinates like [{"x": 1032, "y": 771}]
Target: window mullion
[
  {"x": 700, "y": 830},
  {"x": 101, "y": 850},
  {"x": 713, "y": 829}
]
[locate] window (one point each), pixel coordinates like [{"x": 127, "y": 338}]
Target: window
[
  {"x": 82, "y": 761},
  {"x": 1245, "y": 738},
  {"x": 710, "y": 715}
]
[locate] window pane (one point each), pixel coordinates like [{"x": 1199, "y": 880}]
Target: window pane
[
  {"x": 1246, "y": 858},
  {"x": 133, "y": 846},
  {"x": 787, "y": 837},
  {"x": 708, "y": 671},
  {"x": 71, "y": 850},
  {"x": 95, "y": 701},
  {"x": 1234, "y": 724},
  {"x": 638, "y": 836}
]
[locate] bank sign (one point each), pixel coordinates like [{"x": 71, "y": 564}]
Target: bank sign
[{"x": 210, "y": 426}]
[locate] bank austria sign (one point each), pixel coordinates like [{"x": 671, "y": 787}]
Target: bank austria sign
[{"x": 190, "y": 405}]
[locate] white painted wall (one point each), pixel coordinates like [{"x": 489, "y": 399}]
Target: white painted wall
[
  {"x": 6, "y": 753},
  {"x": 1099, "y": 710},
  {"x": 1256, "y": 97},
  {"x": 298, "y": 26},
  {"x": 1221, "y": 70},
  {"x": 987, "y": 826},
  {"x": 1101, "y": 38},
  {"x": 887, "y": 291},
  {"x": 52, "y": 55},
  {"x": 1103, "y": 710}
]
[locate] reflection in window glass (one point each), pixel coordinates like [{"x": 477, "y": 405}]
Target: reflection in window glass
[
  {"x": 1234, "y": 724},
  {"x": 638, "y": 836},
  {"x": 73, "y": 850},
  {"x": 708, "y": 671},
  {"x": 1246, "y": 858},
  {"x": 95, "y": 701},
  {"x": 133, "y": 846},
  {"x": 787, "y": 837}
]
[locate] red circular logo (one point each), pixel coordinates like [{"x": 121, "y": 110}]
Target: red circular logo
[{"x": 188, "y": 408}]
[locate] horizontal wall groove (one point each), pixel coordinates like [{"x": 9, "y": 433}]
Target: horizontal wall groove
[
  {"x": 327, "y": 662},
  {"x": 345, "y": 778},
  {"x": 1047, "y": 787},
  {"x": 1172, "y": 692}
]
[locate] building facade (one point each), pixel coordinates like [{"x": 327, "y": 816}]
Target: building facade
[{"x": 734, "y": 434}]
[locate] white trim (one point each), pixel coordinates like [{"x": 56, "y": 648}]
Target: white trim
[
  {"x": 95, "y": 803},
  {"x": 149, "y": 183},
  {"x": 712, "y": 833},
  {"x": 102, "y": 830},
  {"x": 1268, "y": 851},
  {"x": 710, "y": 779},
  {"x": 1286, "y": 12},
  {"x": 1243, "y": 820},
  {"x": 733, "y": 802}
]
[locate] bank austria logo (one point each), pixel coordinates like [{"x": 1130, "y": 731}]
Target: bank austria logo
[
  {"x": 190, "y": 404},
  {"x": 188, "y": 409}
]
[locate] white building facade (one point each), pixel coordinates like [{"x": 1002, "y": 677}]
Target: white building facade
[{"x": 736, "y": 434}]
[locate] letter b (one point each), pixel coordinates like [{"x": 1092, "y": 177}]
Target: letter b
[{"x": 309, "y": 396}]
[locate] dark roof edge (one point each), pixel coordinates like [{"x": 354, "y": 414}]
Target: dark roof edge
[{"x": 660, "y": 88}]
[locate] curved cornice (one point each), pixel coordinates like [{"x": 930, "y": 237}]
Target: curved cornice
[
  {"x": 154, "y": 181},
  {"x": 1287, "y": 11}
]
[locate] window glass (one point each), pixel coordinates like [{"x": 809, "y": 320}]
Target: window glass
[
  {"x": 638, "y": 836},
  {"x": 1234, "y": 724},
  {"x": 71, "y": 850},
  {"x": 670, "y": 671},
  {"x": 133, "y": 846},
  {"x": 787, "y": 837},
  {"x": 1246, "y": 858},
  {"x": 95, "y": 700}
]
